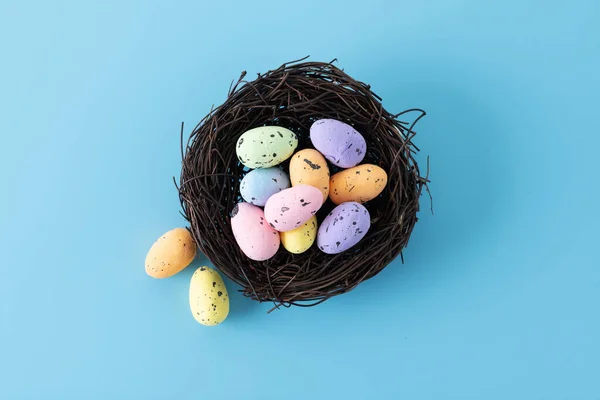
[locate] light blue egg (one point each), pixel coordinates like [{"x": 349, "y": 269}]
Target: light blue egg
[{"x": 260, "y": 184}]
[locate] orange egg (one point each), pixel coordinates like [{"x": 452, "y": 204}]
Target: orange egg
[
  {"x": 171, "y": 253},
  {"x": 361, "y": 184},
  {"x": 308, "y": 167}
]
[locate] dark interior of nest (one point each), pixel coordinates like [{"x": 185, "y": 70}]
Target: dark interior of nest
[{"x": 294, "y": 96}]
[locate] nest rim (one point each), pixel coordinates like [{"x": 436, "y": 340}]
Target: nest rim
[{"x": 293, "y": 96}]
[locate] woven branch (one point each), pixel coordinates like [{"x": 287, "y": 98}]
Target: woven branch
[{"x": 294, "y": 96}]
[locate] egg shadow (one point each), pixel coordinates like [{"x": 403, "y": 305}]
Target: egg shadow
[
  {"x": 471, "y": 181},
  {"x": 242, "y": 308}
]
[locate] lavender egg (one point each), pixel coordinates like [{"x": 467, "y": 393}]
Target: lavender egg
[
  {"x": 343, "y": 228},
  {"x": 260, "y": 184},
  {"x": 340, "y": 143}
]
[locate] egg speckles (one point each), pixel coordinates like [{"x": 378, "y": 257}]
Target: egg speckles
[
  {"x": 343, "y": 228},
  {"x": 340, "y": 143},
  {"x": 256, "y": 238},
  {"x": 209, "y": 300},
  {"x": 260, "y": 184},
  {"x": 309, "y": 167},
  {"x": 290, "y": 208},
  {"x": 265, "y": 146},
  {"x": 299, "y": 240},
  {"x": 360, "y": 184},
  {"x": 171, "y": 253}
]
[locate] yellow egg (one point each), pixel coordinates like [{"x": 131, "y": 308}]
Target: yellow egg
[
  {"x": 209, "y": 301},
  {"x": 171, "y": 253},
  {"x": 361, "y": 183},
  {"x": 308, "y": 167},
  {"x": 300, "y": 239}
]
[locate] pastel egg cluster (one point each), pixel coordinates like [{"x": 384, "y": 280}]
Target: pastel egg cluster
[{"x": 281, "y": 209}]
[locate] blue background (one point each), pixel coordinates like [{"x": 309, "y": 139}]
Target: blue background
[{"x": 499, "y": 297}]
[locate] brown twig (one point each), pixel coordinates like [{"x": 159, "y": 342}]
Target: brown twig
[{"x": 294, "y": 96}]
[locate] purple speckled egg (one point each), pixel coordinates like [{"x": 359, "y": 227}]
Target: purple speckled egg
[
  {"x": 344, "y": 227},
  {"x": 340, "y": 143},
  {"x": 290, "y": 208}
]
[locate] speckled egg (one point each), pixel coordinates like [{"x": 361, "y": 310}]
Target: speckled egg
[
  {"x": 308, "y": 167},
  {"x": 299, "y": 240},
  {"x": 265, "y": 146},
  {"x": 260, "y": 184},
  {"x": 343, "y": 228},
  {"x": 257, "y": 240},
  {"x": 340, "y": 143},
  {"x": 360, "y": 184},
  {"x": 209, "y": 301},
  {"x": 290, "y": 208},
  {"x": 170, "y": 254}
]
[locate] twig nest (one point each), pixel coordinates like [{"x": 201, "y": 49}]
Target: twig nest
[{"x": 299, "y": 106}]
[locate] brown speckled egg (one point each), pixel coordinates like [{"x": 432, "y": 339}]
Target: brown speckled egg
[
  {"x": 309, "y": 167},
  {"x": 360, "y": 184},
  {"x": 171, "y": 253},
  {"x": 209, "y": 301}
]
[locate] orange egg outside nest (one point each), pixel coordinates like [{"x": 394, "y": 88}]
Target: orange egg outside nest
[{"x": 171, "y": 253}]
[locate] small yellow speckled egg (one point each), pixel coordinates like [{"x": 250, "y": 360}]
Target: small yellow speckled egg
[
  {"x": 360, "y": 184},
  {"x": 171, "y": 253},
  {"x": 300, "y": 239},
  {"x": 309, "y": 167},
  {"x": 209, "y": 301}
]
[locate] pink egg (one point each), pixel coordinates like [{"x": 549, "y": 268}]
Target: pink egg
[
  {"x": 290, "y": 208},
  {"x": 256, "y": 238}
]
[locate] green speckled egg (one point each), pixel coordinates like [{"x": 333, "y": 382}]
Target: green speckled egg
[
  {"x": 265, "y": 146},
  {"x": 209, "y": 301}
]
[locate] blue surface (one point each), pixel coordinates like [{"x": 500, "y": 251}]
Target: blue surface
[{"x": 499, "y": 297}]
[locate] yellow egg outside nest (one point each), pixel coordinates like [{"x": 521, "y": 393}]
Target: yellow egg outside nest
[{"x": 209, "y": 301}]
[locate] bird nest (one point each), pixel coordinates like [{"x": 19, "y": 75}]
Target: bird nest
[{"x": 294, "y": 96}]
